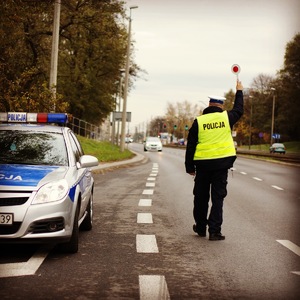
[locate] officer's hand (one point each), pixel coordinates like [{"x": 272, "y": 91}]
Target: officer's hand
[{"x": 239, "y": 86}]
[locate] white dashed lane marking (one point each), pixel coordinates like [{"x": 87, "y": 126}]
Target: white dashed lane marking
[
  {"x": 148, "y": 192},
  {"x": 153, "y": 287},
  {"x": 151, "y": 178},
  {"x": 259, "y": 179},
  {"x": 146, "y": 243},
  {"x": 153, "y": 174},
  {"x": 277, "y": 187},
  {"x": 144, "y": 218},
  {"x": 145, "y": 202},
  {"x": 293, "y": 247},
  {"x": 256, "y": 178}
]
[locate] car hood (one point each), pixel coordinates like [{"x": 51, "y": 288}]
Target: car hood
[
  {"x": 153, "y": 142},
  {"x": 29, "y": 175}
]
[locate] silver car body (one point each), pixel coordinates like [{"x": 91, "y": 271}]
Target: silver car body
[
  {"x": 38, "y": 201},
  {"x": 277, "y": 148},
  {"x": 153, "y": 144}
]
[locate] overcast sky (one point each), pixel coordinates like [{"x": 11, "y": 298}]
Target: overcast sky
[{"x": 188, "y": 47}]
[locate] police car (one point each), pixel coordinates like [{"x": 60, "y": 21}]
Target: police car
[{"x": 46, "y": 185}]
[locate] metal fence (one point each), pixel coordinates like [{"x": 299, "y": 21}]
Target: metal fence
[{"x": 85, "y": 129}]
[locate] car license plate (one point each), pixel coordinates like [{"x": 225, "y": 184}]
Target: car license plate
[{"x": 6, "y": 219}]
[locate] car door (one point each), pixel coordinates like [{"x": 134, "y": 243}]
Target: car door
[{"x": 84, "y": 175}]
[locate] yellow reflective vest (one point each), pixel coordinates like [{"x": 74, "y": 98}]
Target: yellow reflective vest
[{"x": 214, "y": 137}]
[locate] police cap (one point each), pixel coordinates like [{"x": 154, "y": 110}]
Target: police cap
[{"x": 216, "y": 99}]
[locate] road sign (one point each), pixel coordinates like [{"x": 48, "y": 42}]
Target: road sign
[
  {"x": 117, "y": 116},
  {"x": 276, "y": 136},
  {"x": 236, "y": 69}
]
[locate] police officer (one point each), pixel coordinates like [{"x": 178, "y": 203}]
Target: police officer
[{"x": 210, "y": 152}]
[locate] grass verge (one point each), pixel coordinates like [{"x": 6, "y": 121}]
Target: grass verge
[
  {"x": 104, "y": 151},
  {"x": 291, "y": 147}
]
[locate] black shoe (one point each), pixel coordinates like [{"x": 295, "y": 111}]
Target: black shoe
[
  {"x": 216, "y": 236},
  {"x": 201, "y": 233}
]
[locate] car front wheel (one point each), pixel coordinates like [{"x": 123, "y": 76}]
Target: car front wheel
[
  {"x": 87, "y": 223},
  {"x": 72, "y": 245}
]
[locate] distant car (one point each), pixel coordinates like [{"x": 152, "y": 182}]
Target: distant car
[
  {"x": 181, "y": 142},
  {"x": 277, "y": 148},
  {"x": 153, "y": 143},
  {"x": 235, "y": 145},
  {"x": 128, "y": 140},
  {"x": 46, "y": 184}
]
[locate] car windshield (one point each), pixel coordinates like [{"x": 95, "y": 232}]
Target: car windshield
[
  {"x": 153, "y": 139},
  {"x": 33, "y": 148}
]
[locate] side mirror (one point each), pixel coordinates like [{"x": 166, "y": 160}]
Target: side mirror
[{"x": 87, "y": 161}]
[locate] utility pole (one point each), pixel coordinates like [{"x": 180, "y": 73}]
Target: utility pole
[
  {"x": 124, "y": 112},
  {"x": 54, "y": 52},
  {"x": 273, "y": 113},
  {"x": 250, "y": 127}
]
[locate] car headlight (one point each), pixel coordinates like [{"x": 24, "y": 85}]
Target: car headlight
[{"x": 52, "y": 191}]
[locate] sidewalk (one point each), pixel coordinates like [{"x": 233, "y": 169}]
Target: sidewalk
[{"x": 138, "y": 158}]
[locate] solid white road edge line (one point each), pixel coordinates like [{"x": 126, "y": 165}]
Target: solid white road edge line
[{"x": 25, "y": 268}]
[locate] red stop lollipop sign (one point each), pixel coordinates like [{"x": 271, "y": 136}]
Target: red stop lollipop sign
[{"x": 236, "y": 69}]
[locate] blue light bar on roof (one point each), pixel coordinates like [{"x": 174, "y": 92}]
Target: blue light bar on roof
[
  {"x": 23, "y": 117},
  {"x": 57, "y": 118}
]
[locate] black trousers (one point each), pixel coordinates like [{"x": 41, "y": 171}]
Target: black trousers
[{"x": 214, "y": 184}]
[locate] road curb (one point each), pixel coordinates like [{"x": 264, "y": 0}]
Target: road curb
[{"x": 138, "y": 158}]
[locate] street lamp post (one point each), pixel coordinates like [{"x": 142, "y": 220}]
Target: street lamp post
[
  {"x": 273, "y": 111},
  {"x": 124, "y": 112}
]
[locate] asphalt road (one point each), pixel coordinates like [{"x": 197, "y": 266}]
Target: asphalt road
[{"x": 142, "y": 245}]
